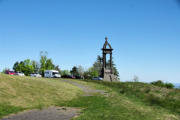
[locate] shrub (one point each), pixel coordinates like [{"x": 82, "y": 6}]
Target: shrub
[
  {"x": 160, "y": 83},
  {"x": 169, "y": 85}
]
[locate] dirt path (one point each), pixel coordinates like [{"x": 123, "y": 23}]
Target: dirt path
[
  {"x": 54, "y": 113},
  {"x": 88, "y": 91}
]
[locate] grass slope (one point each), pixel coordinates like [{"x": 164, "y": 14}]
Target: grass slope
[
  {"x": 122, "y": 101},
  {"x": 149, "y": 94},
  {"x": 19, "y": 93},
  {"x": 126, "y": 101}
]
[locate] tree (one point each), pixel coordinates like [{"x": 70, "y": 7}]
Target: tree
[
  {"x": 21, "y": 66},
  {"x": 25, "y": 66},
  {"x": 160, "y": 83},
  {"x": 16, "y": 66},
  {"x": 28, "y": 67},
  {"x": 114, "y": 69},
  {"x": 80, "y": 70},
  {"x": 87, "y": 75},
  {"x": 49, "y": 64},
  {"x": 46, "y": 64},
  {"x": 43, "y": 59},
  {"x": 36, "y": 66},
  {"x": 93, "y": 72},
  {"x": 90, "y": 73},
  {"x": 65, "y": 72},
  {"x": 74, "y": 71},
  {"x": 136, "y": 78},
  {"x": 98, "y": 65},
  {"x": 57, "y": 68}
]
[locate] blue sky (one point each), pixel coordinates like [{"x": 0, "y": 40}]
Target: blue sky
[{"x": 145, "y": 34}]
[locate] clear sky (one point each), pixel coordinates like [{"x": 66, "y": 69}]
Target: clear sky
[{"x": 145, "y": 34}]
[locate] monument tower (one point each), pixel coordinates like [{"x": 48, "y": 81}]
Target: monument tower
[{"x": 107, "y": 71}]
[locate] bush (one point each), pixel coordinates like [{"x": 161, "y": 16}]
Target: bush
[
  {"x": 160, "y": 83},
  {"x": 169, "y": 85}
]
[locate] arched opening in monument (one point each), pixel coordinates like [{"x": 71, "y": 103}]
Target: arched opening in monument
[
  {"x": 108, "y": 61},
  {"x": 108, "y": 47}
]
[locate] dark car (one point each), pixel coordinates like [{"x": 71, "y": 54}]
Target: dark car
[
  {"x": 68, "y": 76},
  {"x": 78, "y": 77}
]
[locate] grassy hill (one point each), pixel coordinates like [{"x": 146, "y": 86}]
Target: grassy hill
[
  {"x": 149, "y": 94},
  {"x": 130, "y": 101},
  {"x": 20, "y": 93},
  {"x": 121, "y": 101}
]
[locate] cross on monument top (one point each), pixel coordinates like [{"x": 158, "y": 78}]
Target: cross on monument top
[{"x": 106, "y": 38}]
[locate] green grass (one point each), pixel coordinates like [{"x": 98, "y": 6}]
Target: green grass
[
  {"x": 6, "y": 109},
  {"x": 126, "y": 101},
  {"x": 30, "y": 93},
  {"x": 149, "y": 94},
  {"x": 93, "y": 107},
  {"x": 122, "y": 101},
  {"x": 116, "y": 107}
]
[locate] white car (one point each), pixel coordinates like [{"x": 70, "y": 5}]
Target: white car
[
  {"x": 19, "y": 74},
  {"x": 36, "y": 75},
  {"x": 97, "y": 78},
  {"x": 51, "y": 74}
]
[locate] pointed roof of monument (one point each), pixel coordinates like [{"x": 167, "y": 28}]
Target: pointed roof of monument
[{"x": 106, "y": 44}]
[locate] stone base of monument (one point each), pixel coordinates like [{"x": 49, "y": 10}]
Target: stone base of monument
[{"x": 110, "y": 78}]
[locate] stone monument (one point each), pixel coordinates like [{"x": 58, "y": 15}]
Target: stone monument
[{"x": 107, "y": 71}]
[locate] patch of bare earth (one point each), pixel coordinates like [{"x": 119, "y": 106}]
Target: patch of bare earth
[
  {"x": 88, "y": 91},
  {"x": 52, "y": 113}
]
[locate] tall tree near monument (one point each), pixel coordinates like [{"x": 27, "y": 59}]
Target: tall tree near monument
[
  {"x": 98, "y": 66},
  {"x": 115, "y": 71}
]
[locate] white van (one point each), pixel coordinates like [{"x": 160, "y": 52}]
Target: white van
[{"x": 51, "y": 74}]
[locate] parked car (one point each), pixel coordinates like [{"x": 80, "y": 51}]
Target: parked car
[
  {"x": 68, "y": 76},
  {"x": 35, "y": 75},
  {"x": 19, "y": 74},
  {"x": 78, "y": 77},
  {"x": 51, "y": 74},
  {"x": 97, "y": 78},
  {"x": 10, "y": 72}
]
